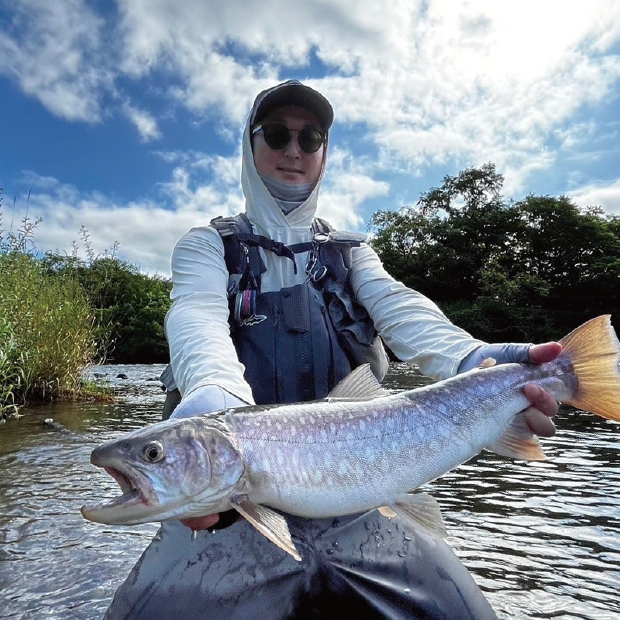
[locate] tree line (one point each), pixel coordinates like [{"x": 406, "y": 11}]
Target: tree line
[
  {"x": 526, "y": 271},
  {"x": 129, "y": 306}
]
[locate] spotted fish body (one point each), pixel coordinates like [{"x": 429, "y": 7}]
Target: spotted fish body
[
  {"x": 339, "y": 457},
  {"x": 359, "y": 449}
]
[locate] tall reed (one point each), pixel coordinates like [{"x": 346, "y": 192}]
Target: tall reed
[{"x": 47, "y": 326}]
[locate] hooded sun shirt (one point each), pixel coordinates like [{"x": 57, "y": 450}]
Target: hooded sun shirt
[{"x": 201, "y": 350}]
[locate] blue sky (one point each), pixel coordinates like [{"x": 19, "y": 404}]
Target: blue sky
[{"x": 125, "y": 116}]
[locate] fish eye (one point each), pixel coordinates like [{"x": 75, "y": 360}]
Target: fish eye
[{"x": 154, "y": 452}]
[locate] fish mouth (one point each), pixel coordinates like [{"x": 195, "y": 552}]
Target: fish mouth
[{"x": 137, "y": 504}]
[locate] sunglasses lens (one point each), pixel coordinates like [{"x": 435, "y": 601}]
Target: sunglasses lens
[
  {"x": 276, "y": 136},
  {"x": 310, "y": 139}
]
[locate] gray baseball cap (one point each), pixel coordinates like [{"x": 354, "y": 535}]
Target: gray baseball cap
[{"x": 293, "y": 92}]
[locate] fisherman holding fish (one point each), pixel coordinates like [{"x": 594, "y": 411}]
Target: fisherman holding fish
[{"x": 275, "y": 306}]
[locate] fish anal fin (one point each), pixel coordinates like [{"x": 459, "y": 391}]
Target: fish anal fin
[
  {"x": 267, "y": 522},
  {"x": 360, "y": 384},
  {"x": 422, "y": 510},
  {"x": 518, "y": 442},
  {"x": 594, "y": 351},
  {"x": 387, "y": 512}
]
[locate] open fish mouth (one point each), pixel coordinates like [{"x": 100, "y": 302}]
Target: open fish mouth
[
  {"x": 137, "y": 502},
  {"x": 131, "y": 490}
]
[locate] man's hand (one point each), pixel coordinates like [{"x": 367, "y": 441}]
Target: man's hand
[{"x": 544, "y": 406}]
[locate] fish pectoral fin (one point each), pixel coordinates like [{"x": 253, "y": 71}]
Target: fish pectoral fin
[
  {"x": 267, "y": 522},
  {"x": 387, "y": 512},
  {"x": 422, "y": 510},
  {"x": 518, "y": 442},
  {"x": 487, "y": 362},
  {"x": 360, "y": 384}
]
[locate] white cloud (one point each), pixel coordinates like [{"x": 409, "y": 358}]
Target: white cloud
[
  {"x": 145, "y": 123},
  {"x": 598, "y": 195},
  {"x": 145, "y": 231},
  {"x": 347, "y": 186},
  {"x": 204, "y": 184},
  {"x": 428, "y": 83},
  {"x": 51, "y": 49},
  {"x": 201, "y": 187}
]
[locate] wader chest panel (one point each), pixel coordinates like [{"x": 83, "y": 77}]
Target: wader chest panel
[{"x": 298, "y": 342}]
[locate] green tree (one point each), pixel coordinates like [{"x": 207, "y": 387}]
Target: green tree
[
  {"x": 530, "y": 270},
  {"x": 130, "y": 306}
]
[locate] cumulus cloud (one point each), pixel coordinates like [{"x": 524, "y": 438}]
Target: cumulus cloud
[
  {"x": 52, "y": 50},
  {"x": 200, "y": 188},
  {"x": 416, "y": 85},
  {"x": 144, "y": 231},
  {"x": 430, "y": 83},
  {"x": 348, "y": 184}
]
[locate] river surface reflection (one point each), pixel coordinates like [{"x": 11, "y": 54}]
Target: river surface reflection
[{"x": 541, "y": 539}]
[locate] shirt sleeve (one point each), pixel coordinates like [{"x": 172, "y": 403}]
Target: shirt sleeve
[
  {"x": 201, "y": 350},
  {"x": 410, "y": 324}
]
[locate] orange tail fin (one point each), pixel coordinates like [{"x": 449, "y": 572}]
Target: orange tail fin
[{"x": 594, "y": 350}]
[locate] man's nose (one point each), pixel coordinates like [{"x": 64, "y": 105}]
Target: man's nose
[{"x": 292, "y": 148}]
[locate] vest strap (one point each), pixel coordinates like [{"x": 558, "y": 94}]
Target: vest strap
[{"x": 277, "y": 247}]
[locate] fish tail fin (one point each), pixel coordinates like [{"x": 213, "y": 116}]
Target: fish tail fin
[{"x": 594, "y": 351}]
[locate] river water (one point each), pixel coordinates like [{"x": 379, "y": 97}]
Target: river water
[{"x": 541, "y": 539}]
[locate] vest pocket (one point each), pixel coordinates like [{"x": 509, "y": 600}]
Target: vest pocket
[{"x": 295, "y": 309}]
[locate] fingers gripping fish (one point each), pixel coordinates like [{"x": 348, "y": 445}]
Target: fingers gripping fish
[{"x": 359, "y": 449}]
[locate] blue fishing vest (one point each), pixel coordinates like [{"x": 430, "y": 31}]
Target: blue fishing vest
[{"x": 297, "y": 343}]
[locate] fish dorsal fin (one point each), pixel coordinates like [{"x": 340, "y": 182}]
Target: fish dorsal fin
[
  {"x": 518, "y": 442},
  {"x": 422, "y": 510},
  {"x": 360, "y": 384},
  {"x": 267, "y": 522}
]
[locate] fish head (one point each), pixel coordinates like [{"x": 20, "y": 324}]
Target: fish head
[{"x": 170, "y": 470}]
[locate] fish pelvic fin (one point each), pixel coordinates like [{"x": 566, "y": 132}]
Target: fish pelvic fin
[
  {"x": 267, "y": 522},
  {"x": 421, "y": 510},
  {"x": 518, "y": 442},
  {"x": 594, "y": 351},
  {"x": 360, "y": 384}
]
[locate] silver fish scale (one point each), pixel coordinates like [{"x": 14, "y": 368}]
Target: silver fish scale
[{"x": 310, "y": 458}]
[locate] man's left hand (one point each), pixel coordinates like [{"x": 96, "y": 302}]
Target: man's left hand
[{"x": 544, "y": 406}]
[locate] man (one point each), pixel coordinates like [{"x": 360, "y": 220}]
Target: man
[{"x": 269, "y": 308}]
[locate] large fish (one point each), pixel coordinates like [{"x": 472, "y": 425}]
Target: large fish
[{"x": 359, "y": 449}]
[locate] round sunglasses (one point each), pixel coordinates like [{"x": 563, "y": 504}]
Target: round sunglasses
[{"x": 278, "y": 135}]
